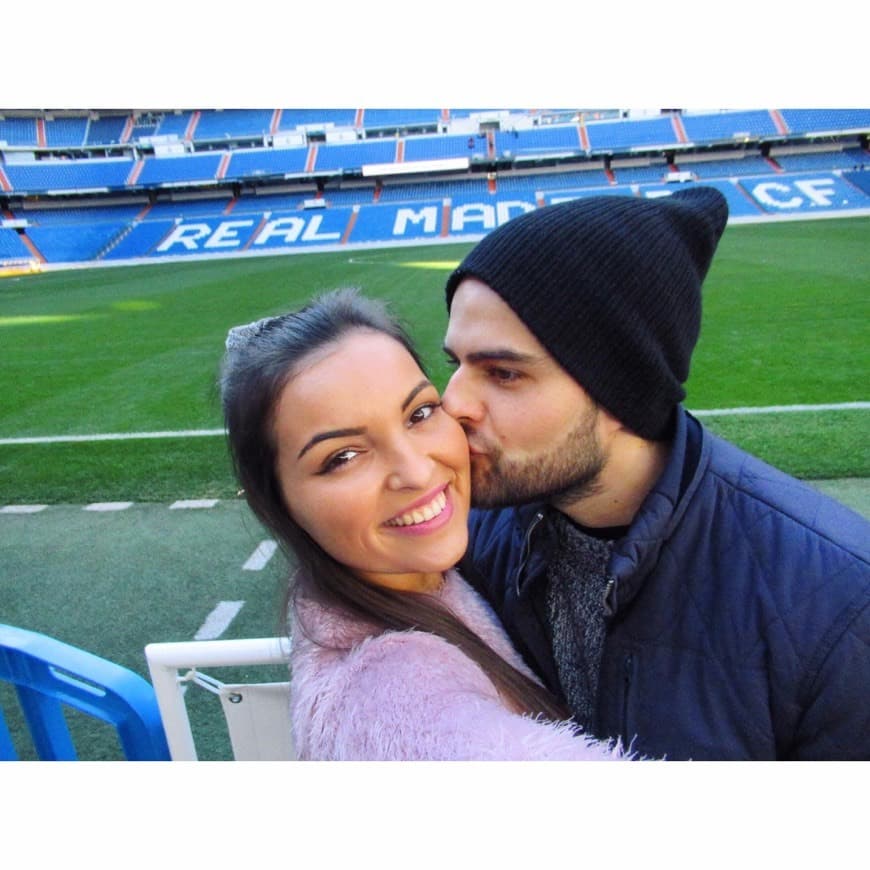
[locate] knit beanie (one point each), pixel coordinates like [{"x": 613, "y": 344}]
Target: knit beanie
[{"x": 611, "y": 287}]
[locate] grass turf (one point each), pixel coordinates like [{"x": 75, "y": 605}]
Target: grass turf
[{"x": 137, "y": 348}]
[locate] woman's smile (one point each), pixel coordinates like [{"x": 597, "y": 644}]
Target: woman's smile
[{"x": 426, "y": 517}]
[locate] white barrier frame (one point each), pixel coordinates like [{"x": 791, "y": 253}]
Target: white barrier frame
[{"x": 165, "y": 660}]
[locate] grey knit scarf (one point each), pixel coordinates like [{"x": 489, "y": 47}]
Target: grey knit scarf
[{"x": 578, "y": 578}]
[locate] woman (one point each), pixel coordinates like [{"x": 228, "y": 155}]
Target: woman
[{"x": 344, "y": 453}]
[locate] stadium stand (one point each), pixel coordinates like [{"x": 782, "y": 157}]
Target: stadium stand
[
  {"x": 392, "y": 119},
  {"x": 46, "y": 176},
  {"x": 354, "y": 155},
  {"x": 18, "y": 132},
  {"x": 11, "y": 246},
  {"x": 73, "y": 214},
  {"x": 631, "y": 135},
  {"x": 741, "y": 164},
  {"x": 729, "y": 126},
  {"x": 268, "y": 202},
  {"x": 138, "y": 240},
  {"x": 96, "y": 186},
  {"x": 860, "y": 180},
  {"x": 66, "y": 132},
  {"x": 58, "y": 245},
  {"x": 648, "y": 174},
  {"x": 174, "y": 124},
  {"x": 351, "y": 196},
  {"x": 233, "y": 124},
  {"x": 190, "y": 208},
  {"x": 445, "y": 146},
  {"x": 291, "y": 119},
  {"x": 179, "y": 170},
  {"x": 107, "y": 131},
  {"x": 267, "y": 162},
  {"x": 539, "y": 142},
  {"x": 812, "y": 161},
  {"x": 428, "y": 190},
  {"x": 822, "y": 121}
]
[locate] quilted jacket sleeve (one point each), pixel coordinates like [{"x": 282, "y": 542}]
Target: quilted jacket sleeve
[
  {"x": 413, "y": 696},
  {"x": 835, "y": 725}
]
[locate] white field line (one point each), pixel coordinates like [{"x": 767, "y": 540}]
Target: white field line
[
  {"x": 193, "y": 504},
  {"x": 206, "y": 433},
  {"x": 782, "y": 409},
  {"x": 113, "y": 436},
  {"x": 260, "y": 557},
  {"x": 217, "y": 622}
]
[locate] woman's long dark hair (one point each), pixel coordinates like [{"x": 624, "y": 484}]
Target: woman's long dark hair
[{"x": 260, "y": 360}]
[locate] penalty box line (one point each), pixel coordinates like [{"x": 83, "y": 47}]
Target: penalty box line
[{"x": 211, "y": 433}]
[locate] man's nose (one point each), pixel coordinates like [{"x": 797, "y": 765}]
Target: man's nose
[{"x": 458, "y": 398}]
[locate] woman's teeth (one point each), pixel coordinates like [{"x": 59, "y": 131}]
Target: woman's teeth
[{"x": 421, "y": 515}]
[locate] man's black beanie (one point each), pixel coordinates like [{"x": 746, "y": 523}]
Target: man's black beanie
[{"x": 611, "y": 287}]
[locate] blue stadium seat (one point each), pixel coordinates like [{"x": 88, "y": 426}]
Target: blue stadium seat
[
  {"x": 74, "y": 242},
  {"x": 69, "y": 175},
  {"x": 749, "y": 165},
  {"x": 107, "y": 130},
  {"x": 354, "y": 155},
  {"x": 11, "y": 246},
  {"x": 293, "y": 118},
  {"x": 813, "y": 162},
  {"x": 265, "y": 162},
  {"x": 539, "y": 141},
  {"x": 728, "y": 126},
  {"x": 441, "y": 147},
  {"x": 174, "y": 124},
  {"x": 826, "y": 120},
  {"x": 66, "y": 132},
  {"x": 639, "y": 174},
  {"x": 374, "y": 119},
  {"x": 140, "y": 240},
  {"x": 657, "y": 132},
  {"x": 225, "y": 124},
  {"x": 183, "y": 168},
  {"x": 49, "y": 674},
  {"x": 18, "y": 131}
]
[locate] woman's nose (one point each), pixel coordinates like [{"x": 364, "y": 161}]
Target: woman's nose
[{"x": 410, "y": 467}]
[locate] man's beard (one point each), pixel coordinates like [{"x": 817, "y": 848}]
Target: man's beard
[{"x": 564, "y": 474}]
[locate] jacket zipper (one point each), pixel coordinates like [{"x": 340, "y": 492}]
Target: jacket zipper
[
  {"x": 527, "y": 548},
  {"x": 626, "y": 687},
  {"x": 610, "y": 597}
]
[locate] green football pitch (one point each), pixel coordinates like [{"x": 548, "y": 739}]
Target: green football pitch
[{"x": 95, "y": 548}]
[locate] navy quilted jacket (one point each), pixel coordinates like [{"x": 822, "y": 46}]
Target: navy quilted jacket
[{"x": 740, "y": 606}]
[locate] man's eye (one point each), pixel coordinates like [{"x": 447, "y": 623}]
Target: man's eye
[{"x": 504, "y": 375}]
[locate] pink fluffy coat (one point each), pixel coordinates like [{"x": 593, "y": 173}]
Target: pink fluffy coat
[{"x": 412, "y": 696}]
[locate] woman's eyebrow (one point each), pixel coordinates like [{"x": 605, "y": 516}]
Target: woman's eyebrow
[
  {"x": 325, "y": 436},
  {"x": 421, "y": 386},
  {"x": 360, "y": 430}
]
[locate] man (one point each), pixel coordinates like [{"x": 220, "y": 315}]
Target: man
[{"x": 676, "y": 592}]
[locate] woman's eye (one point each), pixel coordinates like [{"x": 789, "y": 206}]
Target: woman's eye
[
  {"x": 424, "y": 412},
  {"x": 337, "y": 460}
]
